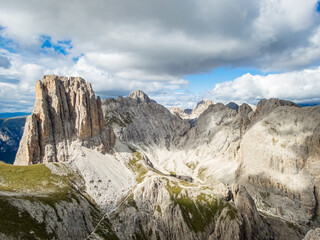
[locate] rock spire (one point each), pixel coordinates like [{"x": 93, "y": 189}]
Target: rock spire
[{"x": 65, "y": 111}]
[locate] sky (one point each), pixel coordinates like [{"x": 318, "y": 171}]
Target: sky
[{"x": 178, "y": 52}]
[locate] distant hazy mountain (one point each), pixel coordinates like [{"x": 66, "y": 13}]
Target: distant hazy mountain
[
  {"x": 13, "y": 114},
  {"x": 308, "y": 104},
  {"x": 191, "y": 113},
  {"x": 11, "y": 130}
]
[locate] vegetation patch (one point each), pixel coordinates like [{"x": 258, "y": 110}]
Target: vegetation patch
[
  {"x": 174, "y": 190},
  {"x": 274, "y": 141},
  {"x": 20, "y": 224},
  {"x": 192, "y": 165},
  {"x": 33, "y": 178},
  {"x": 104, "y": 230},
  {"x": 131, "y": 202},
  {"x": 201, "y": 172},
  {"x": 137, "y": 165},
  {"x": 139, "y": 234},
  {"x": 158, "y": 209},
  {"x": 198, "y": 213},
  {"x": 187, "y": 184}
]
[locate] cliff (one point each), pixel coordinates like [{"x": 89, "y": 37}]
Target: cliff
[{"x": 65, "y": 112}]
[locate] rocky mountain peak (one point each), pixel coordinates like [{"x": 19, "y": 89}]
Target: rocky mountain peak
[
  {"x": 233, "y": 106},
  {"x": 65, "y": 111},
  {"x": 192, "y": 113},
  {"x": 204, "y": 102},
  {"x": 140, "y": 96},
  {"x": 201, "y": 107},
  {"x": 179, "y": 112},
  {"x": 265, "y": 106}
]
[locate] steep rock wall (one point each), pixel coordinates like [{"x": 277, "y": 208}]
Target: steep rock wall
[{"x": 65, "y": 111}]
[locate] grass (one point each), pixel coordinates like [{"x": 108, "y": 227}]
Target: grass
[
  {"x": 139, "y": 234},
  {"x": 198, "y": 213},
  {"x": 274, "y": 141},
  {"x": 137, "y": 165},
  {"x": 32, "y": 178},
  {"x": 158, "y": 209},
  {"x": 50, "y": 189},
  {"x": 105, "y": 228},
  {"x": 132, "y": 203},
  {"x": 201, "y": 172},
  {"x": 192, "y": 165},
  {"x": 174, "y": 190},
  {"x": 20, "y": 224}
]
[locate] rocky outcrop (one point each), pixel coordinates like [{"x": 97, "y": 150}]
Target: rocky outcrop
[
  {"x": 201, "y": 107},
  {"x": 65, "y": 111},
  {"x": 266, "y": 106},
  {"x": 191, "y": 113},
  {"x": 50, "y": 204},
  {"x": 180, "y": 112},
  {"x": 313, "y": 234},
  {"x": 233, "y": 106},
  {"x": 140, "y": 96},
  {"x": 162, "y": 208},
  {"x": 254, "y": 226},
  {"x": 280, "y": 165},
  {"x": 144, "y": 123}
]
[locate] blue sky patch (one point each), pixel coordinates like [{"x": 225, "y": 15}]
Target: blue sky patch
[
  {"x": 76, "y": 59},
  {"x": 7, "y": 44},
  {"x": 61, "y": 46},
  {"x": 202, "y": 82}
]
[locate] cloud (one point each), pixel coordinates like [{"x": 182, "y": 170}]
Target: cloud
[
  {"x": 4, "y": 62},
  {"x": 152, "y": 45},
  {"x": 152, "y": 37},
  {"x": 298, "y": 86}
]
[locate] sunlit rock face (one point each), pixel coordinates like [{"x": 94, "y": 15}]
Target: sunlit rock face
[
  {"x": 65, "y": 111},
  {"x": 191, "y": 113}
]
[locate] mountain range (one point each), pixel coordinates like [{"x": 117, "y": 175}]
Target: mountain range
[{"x": 129, "y": 168}]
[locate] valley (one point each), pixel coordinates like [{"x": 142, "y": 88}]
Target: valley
[{"x": 128, "y": 168}]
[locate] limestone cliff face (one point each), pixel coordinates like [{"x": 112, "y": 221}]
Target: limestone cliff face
[{"x": 65, "y": 111}]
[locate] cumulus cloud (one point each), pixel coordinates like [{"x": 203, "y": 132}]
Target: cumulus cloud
[
  {"x": 151, "y": 36},
  {"x": 124, "y": 45},
  {"x": 4, "y": 62},
  {"x": 298, "y": 86}
]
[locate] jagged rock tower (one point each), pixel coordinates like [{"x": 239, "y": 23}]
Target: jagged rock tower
[{"x": 65, "y": 113}]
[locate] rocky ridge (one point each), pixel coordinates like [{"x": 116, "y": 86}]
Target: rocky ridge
[
  {"x": 166, "y": 177},
  {"x": 216, "y": 149}
]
